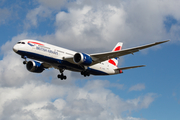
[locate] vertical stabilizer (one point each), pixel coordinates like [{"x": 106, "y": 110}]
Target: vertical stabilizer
[
  {"x": 118, "y": 46},
  {"x": 114, "y": 61}
]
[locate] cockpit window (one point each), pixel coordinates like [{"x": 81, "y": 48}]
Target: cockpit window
[{"x": 21, "y": 43}]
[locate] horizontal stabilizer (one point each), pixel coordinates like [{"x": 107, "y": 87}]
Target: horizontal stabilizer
[
  {"x": 119, "y": 70},
  {"x": 125, "y": 68}
]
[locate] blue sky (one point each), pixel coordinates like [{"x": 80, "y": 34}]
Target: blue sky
[{"x": 149, "y": 93}]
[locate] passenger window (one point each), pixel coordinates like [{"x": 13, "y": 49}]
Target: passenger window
[
  {"x": 19, "y": 43},
  {"x": 23, "y": 42}
]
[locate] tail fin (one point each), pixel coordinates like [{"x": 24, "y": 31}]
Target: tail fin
[{"x": 118, "y": 47}]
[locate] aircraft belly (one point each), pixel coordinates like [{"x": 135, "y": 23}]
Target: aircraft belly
[
  {"x": 98, "y": 69},
  {"x": 57, "y": 63}
]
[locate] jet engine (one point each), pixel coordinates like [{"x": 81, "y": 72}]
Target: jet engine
[
  {"x": 81, "y": 58},
  {"x": 35, "y": 67}
]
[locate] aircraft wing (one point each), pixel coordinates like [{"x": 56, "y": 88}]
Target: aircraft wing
[
  {"x": 100, "y": 57},
  {"x": 46, "y": 65}
]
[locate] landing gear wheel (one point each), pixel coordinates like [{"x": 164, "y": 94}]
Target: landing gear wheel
[
  {"x": 59, "y": 76},
  {"x": 24, "y": 62},
  {"x": 85, "y": 73},
  {"x": 24, "y": 57},
  {"x": 62, "y": 77}
]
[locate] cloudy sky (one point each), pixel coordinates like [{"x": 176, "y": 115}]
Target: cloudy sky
[{"x": 149, "y": 93}]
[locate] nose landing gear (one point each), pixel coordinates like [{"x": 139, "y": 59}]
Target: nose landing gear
[{"x": 25, "y": 61}]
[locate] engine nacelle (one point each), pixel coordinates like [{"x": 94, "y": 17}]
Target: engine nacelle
[
  {"x": 81, "y": 58},
  {"x": 35, "y": 67}
]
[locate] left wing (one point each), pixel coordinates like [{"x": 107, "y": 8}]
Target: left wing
[
  {"x": 100, "y": 57},
  {"x": 46, "y": 65}
]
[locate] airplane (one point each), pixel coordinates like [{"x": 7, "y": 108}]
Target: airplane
[{"x": 46, "y": 56}]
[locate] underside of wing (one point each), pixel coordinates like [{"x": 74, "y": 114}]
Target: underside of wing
[
  {"x": 46, "y": 65},
  {"x": 69, "y": 59},
  {"x": 100, "y": 57}
]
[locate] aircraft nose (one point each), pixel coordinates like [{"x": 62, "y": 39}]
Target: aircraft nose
[{"x": 15, "y": 48}]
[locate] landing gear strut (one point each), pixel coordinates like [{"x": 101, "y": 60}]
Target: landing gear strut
[
  {"x": 24, "y": 57},
  {"x": 61, "y": 76}
]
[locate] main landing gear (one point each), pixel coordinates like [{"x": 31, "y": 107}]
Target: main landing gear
[
  {"x": 85, "y": 73},
  {"x": 61, "y": 76}
]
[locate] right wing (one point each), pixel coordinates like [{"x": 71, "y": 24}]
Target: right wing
[{"x": 100, "y": 57}]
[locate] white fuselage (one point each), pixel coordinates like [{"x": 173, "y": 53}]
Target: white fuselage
[{"x": 55, "y": 56}]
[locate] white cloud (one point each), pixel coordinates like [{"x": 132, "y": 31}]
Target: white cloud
[
  {"x": 49, "y": 101},
  {"x": 137, "y": 87},
  {"x": 36, "y": 15},
  {"x": 86, "y": 26},
  {"x": 11, "y": 65},
  {"x": 131, "y": 118},
  {"x": 98, "y": 27}
]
